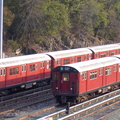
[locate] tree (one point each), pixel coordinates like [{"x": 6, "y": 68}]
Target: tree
[
  {"x": 56, "y": 17},
  {"x": 27, "y": 22}
]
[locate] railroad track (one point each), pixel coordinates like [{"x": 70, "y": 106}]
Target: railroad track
[
  {"x": 49, "y": 111},
  {"x": 104, "y": 112},
  {"x": 29, "y": 111},
  {"x": 12, "y": 96},
  {"x": 12, "y": 102},
  {"x": 85, "y": 108}
]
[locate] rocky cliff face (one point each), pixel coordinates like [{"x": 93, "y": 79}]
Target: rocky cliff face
[{"x": 60, "y": 43}]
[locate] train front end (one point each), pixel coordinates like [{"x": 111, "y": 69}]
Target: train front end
[{"x": 65, "y": 85}]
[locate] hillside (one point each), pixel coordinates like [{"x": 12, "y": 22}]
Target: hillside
[{"x": 36, "y": 26}]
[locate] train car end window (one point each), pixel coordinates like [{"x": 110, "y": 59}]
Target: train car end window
[{"x": 65, "y": 77}]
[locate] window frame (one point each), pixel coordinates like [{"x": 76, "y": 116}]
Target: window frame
[
  {"x": 14, "y": 71},
  {"x": 93, "y": 75},
  {"x": 65, "y": 77}
]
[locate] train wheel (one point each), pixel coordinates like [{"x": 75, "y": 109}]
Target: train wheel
[
  {"x": 78, "y": 101},
  {"x": 58, "y": 99}
]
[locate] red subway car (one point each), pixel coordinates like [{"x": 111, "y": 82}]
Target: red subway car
[
  {"x": 70, "y": 56},
  {"x": 24, "y": 71},
  {"x": 105, "y": 50},
  {"x": 79, "y": 81}
]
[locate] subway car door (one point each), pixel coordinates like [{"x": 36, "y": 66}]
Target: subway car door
[{"x": 64, "y": 82}]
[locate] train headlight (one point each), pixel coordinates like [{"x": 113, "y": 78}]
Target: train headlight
[
  {"x": 22, "y": 86},
  {"x": 34, "y": 83}
]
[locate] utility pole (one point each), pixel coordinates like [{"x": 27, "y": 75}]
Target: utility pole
[{"x": 1, "y": 29}]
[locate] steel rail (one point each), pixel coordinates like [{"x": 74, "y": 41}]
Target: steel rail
[{"x": 85, "y": 106}]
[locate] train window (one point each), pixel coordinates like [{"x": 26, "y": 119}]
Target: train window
[
  {"x": 101, "y": 71},
  {"x": 84, "y": 76},
  {"x": 61, "y": 68},
  {"x": 33, "y": 67},
  {"x": 108, "y": 71},
  {"x": 65, "y": 77},
  {"x": 112, "y": 53},
  {"x": 79, "y": 59},
  {"x": 93, "y": 75},
  {"x": 14, "y": 71},
  {"x": 0, "y": 72},
  {"x": 42, "y": 65},
  {"x": 49, "y": 64},
  {"x": 115, "y": 68},
  {"x": 4, "y": 71},
  {"x": 91, "y": 56},
  {"x": 73, "y": 59},
  {"x": 66, "y": 61},
  {"x": 58, "y": 61},
  {"x": 23, "y": 68},
  {"x": 103, "y": 55},
  {"x": 36, "y": 66},
  {"x": 96, "y": 55},
  {"x": 87, "y": 56},
  {"x": 10, "y": 71}
]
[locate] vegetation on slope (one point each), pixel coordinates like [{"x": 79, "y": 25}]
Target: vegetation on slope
[{"x": 47, "y": 25}]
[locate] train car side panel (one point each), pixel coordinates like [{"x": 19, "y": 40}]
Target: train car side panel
[
  {"x": 33, "y": 72},
  {"x": 74, "y": 83},
  {"x": 94, "y": 79},
  {"x": 48, "y": 69},
  {"x": 14, "y": 76},
  {"x": 110, "y": 74},
  {"x": 23, "y": 72},
  {"x": 83, "y": 82},
  {"x": 64, "y": 82}
]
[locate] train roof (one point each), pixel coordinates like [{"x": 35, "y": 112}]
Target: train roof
[
  {"x": 12, "y": 61},
  {"x": 118, "y": 56},
  {"x": 94, "y": 64},
  {"x": 69, "y": 53},
  {"x": 105, "y": 47}
]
